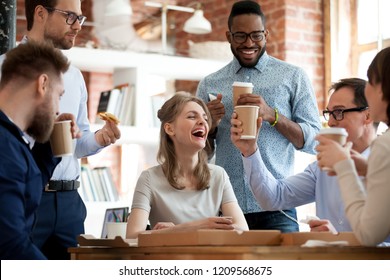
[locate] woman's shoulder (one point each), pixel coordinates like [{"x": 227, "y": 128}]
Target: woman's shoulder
[
  {"x": 216, "y": 169},
  {"x": 153, "y": 171}
]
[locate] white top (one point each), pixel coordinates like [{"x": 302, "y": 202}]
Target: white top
[
  {"x": 155, "y": 195},
  {"x": 367, "y": 203}
]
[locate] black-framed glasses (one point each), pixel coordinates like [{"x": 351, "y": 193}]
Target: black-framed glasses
[
  {"x": 241, "y": 37},
  {"x": 338, "y": 114},
  {"x": 70, "y": 16}
]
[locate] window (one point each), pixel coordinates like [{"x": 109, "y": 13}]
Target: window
[{"x": 372, "y": 34}]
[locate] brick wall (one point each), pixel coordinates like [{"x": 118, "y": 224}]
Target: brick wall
[{"x": 296, "y": 36}]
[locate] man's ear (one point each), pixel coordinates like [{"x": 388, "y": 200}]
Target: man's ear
[
  {"x": 169, "y": 129},
  {"x": 42, "y": 85},
  {"x": 40, "y": 13},
  {"x": 228, "y": 36},
  {"x": 266, "y": 34}
]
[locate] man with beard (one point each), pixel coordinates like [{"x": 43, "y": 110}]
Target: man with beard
[
  {"x": 30, "y": 89},
  {"x": 62, "y": 212},
  {"x": 287, "y": 105}
]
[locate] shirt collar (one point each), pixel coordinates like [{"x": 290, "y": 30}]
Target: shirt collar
[{"x": 14, "y": 129}]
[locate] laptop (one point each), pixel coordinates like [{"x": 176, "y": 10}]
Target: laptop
[{"x": 114, "y": 215}]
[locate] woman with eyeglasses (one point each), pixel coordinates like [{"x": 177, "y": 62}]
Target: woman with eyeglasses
[{"x": 366, "y": 201}]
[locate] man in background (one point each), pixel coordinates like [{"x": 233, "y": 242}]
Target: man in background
[
  {"x": 287, "y": 105},
  {"x": 30, "y": 89},
  {"x": 62, "y": 212},
  {"x": 348, "y": 109}
]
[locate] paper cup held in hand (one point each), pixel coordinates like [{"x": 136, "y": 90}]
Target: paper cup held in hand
[
  {"x": 337, "y": 134},
  {"x": 61, "y": 139},
  {"x": 116, "y": 229},
  {"x": 241, "y": 88},
  {"x": 248, "y": 115}
]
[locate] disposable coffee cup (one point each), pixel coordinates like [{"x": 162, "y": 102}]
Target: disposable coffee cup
[
  {"x": 337, "y": 134},
  {"x": 241, "y": 88},
  {"x": 248, "y": 115},
  {"x": 115, "y": 229},
  {"x": 61, "y": 139}
]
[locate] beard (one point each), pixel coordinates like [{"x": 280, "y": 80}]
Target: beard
[
  {"x": 42, "y": 123},
  {"x": 58, "y": 41},
  {"x": 248, "y": 64}
]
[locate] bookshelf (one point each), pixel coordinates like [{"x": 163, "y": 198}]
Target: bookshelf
[{"x": 138, "y": 142}]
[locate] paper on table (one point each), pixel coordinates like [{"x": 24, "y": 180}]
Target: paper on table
[{"x": 321, "y": 243}]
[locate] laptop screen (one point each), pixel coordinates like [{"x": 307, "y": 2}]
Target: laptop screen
[{"x": 114, "y": 215}]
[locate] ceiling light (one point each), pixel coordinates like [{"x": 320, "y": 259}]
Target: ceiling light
[{"x": 197, "y": 24}]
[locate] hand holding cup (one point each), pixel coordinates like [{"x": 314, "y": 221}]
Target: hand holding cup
[{"x": 332, "y": 147}]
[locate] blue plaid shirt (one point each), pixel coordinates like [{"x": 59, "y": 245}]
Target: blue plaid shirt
[{"x": 283, "y": 86}]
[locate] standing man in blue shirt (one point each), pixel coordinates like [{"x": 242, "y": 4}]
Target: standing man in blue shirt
[
  {"x": 30, "y": 90},
  {"x": 62, "y": 212},
  {"x": 347, "y": 109},
  {"x": 287, "y": 105}
]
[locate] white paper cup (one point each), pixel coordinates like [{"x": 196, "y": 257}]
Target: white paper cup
[
  {"x": 337, "y": 134},
  {"x": 116, "y": 229},
  {"x": 248, "y": 115},
  {"x": 241, "y": 88},
  {"x": 61, "y": 139}
]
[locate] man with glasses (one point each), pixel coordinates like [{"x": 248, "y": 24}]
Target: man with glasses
[
  {"x": 287, "y": 105},
  {"x": 61, "y": 213},
  {"x": 347, "y": 109}
]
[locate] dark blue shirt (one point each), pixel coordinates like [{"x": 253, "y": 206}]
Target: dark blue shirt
[{"x": 21, "y": 183}]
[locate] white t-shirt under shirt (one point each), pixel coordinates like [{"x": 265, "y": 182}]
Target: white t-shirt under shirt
[{"x": 154, "y": 194}]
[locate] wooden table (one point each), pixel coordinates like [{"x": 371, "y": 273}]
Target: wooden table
[{"x": 229, "y": 253}]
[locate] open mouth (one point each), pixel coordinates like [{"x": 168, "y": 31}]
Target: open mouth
[{"x": 200, "y": 133}]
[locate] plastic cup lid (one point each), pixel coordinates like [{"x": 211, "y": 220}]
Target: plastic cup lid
[
  {"x": 242, "y": 84},
  {"x": 334, "y": 130}
]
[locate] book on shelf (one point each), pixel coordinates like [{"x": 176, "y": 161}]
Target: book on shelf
[
  {"x": 120, "y": 102},
  {"x": 97, "y": 184}
]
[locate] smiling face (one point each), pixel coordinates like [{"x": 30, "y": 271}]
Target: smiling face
[
  {"x": 189, "y": 130},
  {"x": 57, "y": 30},
  {"x": 353, "y": 122},
  {"x": 247, "y": 53}
]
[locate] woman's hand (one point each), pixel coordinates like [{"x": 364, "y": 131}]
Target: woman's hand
[
  {"x": 211, "y": 223},
  {"x": 329, "y": 152},
  {"x": 360, "y": 163},
  {"x": 162, "y": 225}
]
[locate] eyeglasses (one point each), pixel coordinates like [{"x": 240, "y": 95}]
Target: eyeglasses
[
  {"x": 241, "y": 37},
  {"x": 70, "y": 16},
  {"x": 338, "y": 114}
]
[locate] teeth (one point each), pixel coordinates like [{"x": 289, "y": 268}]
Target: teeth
[{"x": 200, "y": 132}]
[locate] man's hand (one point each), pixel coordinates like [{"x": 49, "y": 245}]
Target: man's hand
[
  {"x": 217, "y": 111},
  {"x": 74, "y": 129},
  {"x": 246, "y": 146},
  {"x": 108, "y": 134},
  {"x": 266, "y": 112},
  {"x": 321, "y": 225}
]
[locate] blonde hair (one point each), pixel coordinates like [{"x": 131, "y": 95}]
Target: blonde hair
[{"x": 166, "y": 155}]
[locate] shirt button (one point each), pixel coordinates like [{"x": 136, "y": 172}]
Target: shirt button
[
  {"x": 341, "y": 222},
  {"x": 247, "y": 77}
]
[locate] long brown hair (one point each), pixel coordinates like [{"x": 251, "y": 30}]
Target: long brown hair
[
  {"x": 379, "y": 73},
  {"x": 166, "y": 155}
]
